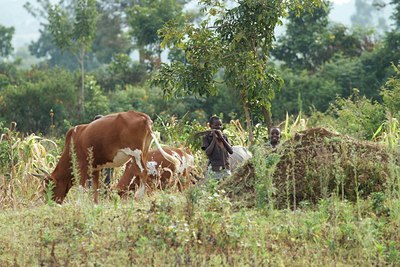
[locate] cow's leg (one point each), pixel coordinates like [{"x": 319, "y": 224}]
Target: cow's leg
[
  {"x": 95, "y": 185},
  {"x": 142, "y": 178},
  {"x": 84, "y": 174},
  {"x": 129, "y": 180},
  {"x": 107, "y": 180},
  {"x": 135, "y": 176}
]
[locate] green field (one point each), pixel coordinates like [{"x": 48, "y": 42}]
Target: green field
[{"x": 239, "y": 222}]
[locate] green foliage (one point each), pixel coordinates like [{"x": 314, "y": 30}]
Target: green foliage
[
  {"x": 96, "y": 102},
  {"x": 8, "y": 153},
  {"x": 151, "y": 101},
  {"x": 396, "y": 13},
  {"x": 147, "y": 17},
  {"x": 391, "y": 93},
  {"x": 122, "y": 72},
  {"x": 45, "y": 48},
  {"x": 377, "y": 65},
  {"x": 357, "y": 116},
  {"x": 239, "y": 44},
  {"x": 110, "y": 39},
  {"x": 8, "y": 75},
  {"x": 347, "y": 73},
  {"x": 303, "y": 45},
  {"x": 6, "y": 34},
  {"x": 197, "y": 77},
  {"x": 302, "y": 91},
  {"x": 132, "y": 97},
  {"x": 214, "y": 234},
  {"x": 179, "y": 132},
  {"x": 264, "y": 163},
  {"x": 75, "y": 34},
  {"x": 29, "y": 102},
  {"x": 311, "y": 40},
  {"x": 389, "y": 132},
  {"x": 48, "y": 194}
]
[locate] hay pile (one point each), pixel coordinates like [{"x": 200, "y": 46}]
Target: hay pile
[{"x": 315, "y": 164}]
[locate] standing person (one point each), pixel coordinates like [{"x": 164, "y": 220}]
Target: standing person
[
  {"x": 217, "y": 146},
  {"x": 274, "y": 137},
  {"x": 106, "y": 171}
]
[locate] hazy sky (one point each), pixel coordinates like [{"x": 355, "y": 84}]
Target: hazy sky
[
  {"x": 341, "y": 1},
  {"x": 26, "y": 27}
]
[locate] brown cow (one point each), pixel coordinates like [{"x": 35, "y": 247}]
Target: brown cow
[
  {"x": 107, "y": 142},
  {"x": 159, "y": 170}
]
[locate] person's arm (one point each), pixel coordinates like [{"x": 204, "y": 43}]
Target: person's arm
[
  {"x": 210, "y": 148},
  {"x": 225, "y": 141}
]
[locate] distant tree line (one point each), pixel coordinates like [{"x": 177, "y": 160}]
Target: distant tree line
[{"x": 222, "y": 59}]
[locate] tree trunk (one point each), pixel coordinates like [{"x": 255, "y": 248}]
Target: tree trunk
[
  {"x": 267, "y": 118},
  {"x": 142, "y": 55},
  {"x": 158, "y": 63},
  {"x": 248, "y": 119},
  {"x": 82, "y": 91}
]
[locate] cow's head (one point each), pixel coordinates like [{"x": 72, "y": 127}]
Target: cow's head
[{"x": 47, "y": 184}]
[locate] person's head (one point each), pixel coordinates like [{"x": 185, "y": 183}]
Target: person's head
[
  {"x": 98, "y": 117},
  {"x": 215, "y": 123},
  {"x": 274, "y": 136}
]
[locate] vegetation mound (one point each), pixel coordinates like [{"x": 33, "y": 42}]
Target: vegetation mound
[{"x": 313, "y": 164}]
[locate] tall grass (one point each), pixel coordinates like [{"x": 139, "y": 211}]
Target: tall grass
[
  {"x": 388, "y": 133},
  {"x": 163, "y": 231},
  {"x": 199, "y": 227},
  {"x": 21, "y": 157}
]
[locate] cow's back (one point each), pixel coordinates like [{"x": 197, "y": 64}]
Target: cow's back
[{"x": 115, "y": 132}]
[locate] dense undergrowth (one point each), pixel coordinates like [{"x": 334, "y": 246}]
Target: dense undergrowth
[
  {"x": 200, "y": 228},
  {"x": 247, "y": 220}
]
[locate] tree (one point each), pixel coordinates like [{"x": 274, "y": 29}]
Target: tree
[
  {"x": 28, "y": 100},
  {"x": 75, "y": 34},
  {"x": 311, "y": 40},
  {"x": 396, "y": 13},
  {"x": 238, "y": 42},
  {"x": 368, "y": 14},
  {"x": 6, "y": 34},
  {"x": 146, "y": 17},
  {"x": 121, "y": 72},
  {"x": 109, "y": 39},
  {"x": 303, "y": 45}
]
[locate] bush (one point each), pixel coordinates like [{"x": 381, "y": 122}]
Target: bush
[{"x": 355, "y": 115}]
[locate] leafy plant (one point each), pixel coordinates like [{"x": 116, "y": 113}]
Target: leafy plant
[{"x": 356, "y": 116}]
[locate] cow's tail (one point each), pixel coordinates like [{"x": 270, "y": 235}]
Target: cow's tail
[{"x": 167, "y": 156}]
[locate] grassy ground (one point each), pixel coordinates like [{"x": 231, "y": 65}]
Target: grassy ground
[
  {"x": 199, "y": 228},
  {"x": 263, "y": 215}
]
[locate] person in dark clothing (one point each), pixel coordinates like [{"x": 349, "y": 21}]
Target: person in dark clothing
[{"x": 217, "y": 147}]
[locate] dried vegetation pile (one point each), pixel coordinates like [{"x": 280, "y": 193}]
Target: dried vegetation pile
[{"x": 315, "y": 164}]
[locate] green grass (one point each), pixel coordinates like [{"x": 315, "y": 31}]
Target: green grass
[{"x": 198, "y": 228}]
